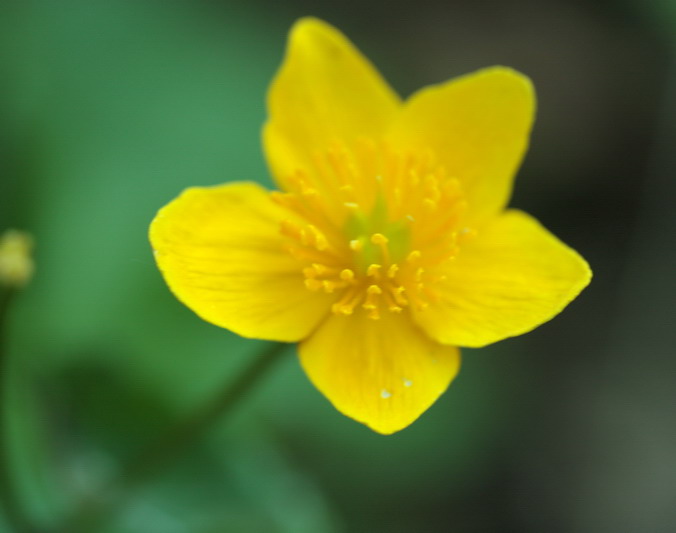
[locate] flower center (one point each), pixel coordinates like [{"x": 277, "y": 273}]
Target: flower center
[{"x": 374, "y": 227}]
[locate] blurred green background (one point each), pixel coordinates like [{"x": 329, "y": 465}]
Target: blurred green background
[{"x": 109, "y": 109}]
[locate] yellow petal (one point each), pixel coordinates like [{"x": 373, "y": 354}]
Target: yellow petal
[
  {"x": 478, "y": 127},
  {"x": 221, "y": 253},
  {"x": 513, "y": 276},
  {"x": 325, "y": 91},
  {"x": 384, "y": 373}
]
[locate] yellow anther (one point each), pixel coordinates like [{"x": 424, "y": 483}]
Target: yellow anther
[
  {"x": 320, "y": 269},
  {"x": 395, "y": 308},
  {"x": 398, "y": 295},
  {"x": 418, "y": 274},
  {"x": 413, "y": 256},
  {"x": 373, "y": 270},
  {"x": 374, "y": 290},
  {"x": 316, "y": 238},
  {"x": 329, "y": 286},
  {"x": 346, "y": 304},
  {"x": 392, "y": 271},
  {"x": 370, "y": 304},
  {"x": 356, "y": 245},
  {"x": 342, "y": 309},
  {"x": 346, "y": 275},
  {"x": 379, "y": 239}
]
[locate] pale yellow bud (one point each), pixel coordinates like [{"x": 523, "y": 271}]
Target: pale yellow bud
[{"x": 16, "y": 261}]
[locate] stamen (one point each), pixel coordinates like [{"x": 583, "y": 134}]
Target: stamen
[
  {"x": 413, "y": 256},
  {"x": 398, "y": 294},
  {"x": 381, "y": 241},
  {"x": 373, "y": 271},
  {"x": 346, "y": 305},
  {"x": 357, "y": 245},
  {"x": 405, "y": 217},
  {"x": 323, "y": 270},
  {"x": 347, "y": 275},
  {"x": 372, "y": 294},
  {"x": 311, "y": 236}
]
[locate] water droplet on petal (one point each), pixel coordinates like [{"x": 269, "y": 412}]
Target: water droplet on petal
[{"x": 385, "y": 394}]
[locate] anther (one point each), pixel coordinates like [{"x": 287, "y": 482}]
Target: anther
[
  {"x": 392, "y": 271},
  {"x": 356, "y": 245},
  {"x": 347, "y": 275},
  {"x": 374, "y": 289},
  {"x": 314, "y": 237},
  {"x": 320, "y": 269},
  {"x": 373, "y": 270},
  {"x": 372, "y": 294},
  {"x": 381, "y": 241},
  {"x": 342, "y": 309},
  {"x": 379, "y": 238},
  {"x": 398, "y": 295},
  {"x": 418, "y": 274},
  {"x": 345, "y": 306},
  {"x": 413, "y": 256}
]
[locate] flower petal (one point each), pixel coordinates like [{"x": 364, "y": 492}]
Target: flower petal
[
  {"x": 384, "y": 373},
  {"x": 478, "y": 127},
  {"x": 511, "y": 278},
  {"x": 221, "y": 253},
  {"x": 325, "y": 91}
]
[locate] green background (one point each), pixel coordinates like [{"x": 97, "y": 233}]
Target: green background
[{"x": 109, "y": 109}]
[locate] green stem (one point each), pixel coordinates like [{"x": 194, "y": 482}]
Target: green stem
[
  {"x": 9, "y": 500},
  {"x": 90, "y": 515}
]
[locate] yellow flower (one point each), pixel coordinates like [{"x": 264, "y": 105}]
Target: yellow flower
[{"x": 389, "y": 244}]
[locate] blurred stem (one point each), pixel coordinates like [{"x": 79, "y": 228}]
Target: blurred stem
[
  {"x": 9, "y": 500},
  {"x": 91, "y": 514}
]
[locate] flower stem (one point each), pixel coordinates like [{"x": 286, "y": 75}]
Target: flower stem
[
  {"x": 9, "y": 500},
  {"x": 91, "y": 514}
]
